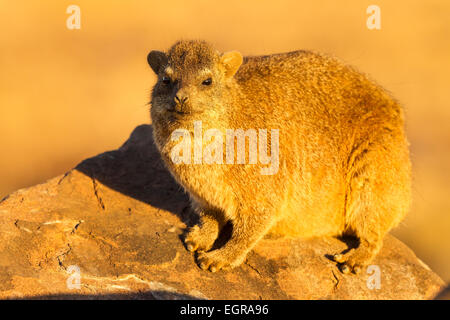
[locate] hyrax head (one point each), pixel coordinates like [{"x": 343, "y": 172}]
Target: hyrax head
[{"x": 192, "y": 77}]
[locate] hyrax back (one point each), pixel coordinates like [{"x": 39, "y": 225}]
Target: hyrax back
[{"x": 339, "y": 164}]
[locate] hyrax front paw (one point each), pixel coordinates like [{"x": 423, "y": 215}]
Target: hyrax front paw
[
  {"x": 199, "y": 240},
  {"x": 217, "y": 259}
]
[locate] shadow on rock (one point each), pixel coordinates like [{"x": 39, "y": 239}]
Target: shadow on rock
[
  {"x": 148, "y": 295},
  {"x": 137, "y": 170}
]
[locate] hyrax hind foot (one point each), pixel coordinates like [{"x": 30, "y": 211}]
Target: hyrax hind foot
[
  {"x": 355, "y": 260},
  {"x": 346, "y": 264}
]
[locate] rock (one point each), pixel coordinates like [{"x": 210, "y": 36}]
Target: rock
[
  {"x": 119, "y": 217},
  {"x": 444, "y": 294}
]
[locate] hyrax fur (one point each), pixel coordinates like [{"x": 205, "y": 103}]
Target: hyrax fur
[{"x": 344, "y": 165}]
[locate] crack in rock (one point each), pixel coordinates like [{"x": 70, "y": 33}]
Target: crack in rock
[
  {"x": 336, "y": 285},
  {"x": 74, "y": 229},
  {"x": 4, "y": 198},
  {"x": 64, "y": 176},
  {"x": 60, "y": 258},
  {"x": 253, "y": 268},
  {"x": 16, "y": 224},
  {"x": 99, "y": 199}
]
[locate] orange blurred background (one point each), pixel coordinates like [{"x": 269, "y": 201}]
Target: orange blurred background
[{"x": 70, "y": 94}]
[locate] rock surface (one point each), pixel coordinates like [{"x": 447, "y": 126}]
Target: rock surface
[
  {"x": 444, "y": 294},
  {"x": 119, "y": 217}
]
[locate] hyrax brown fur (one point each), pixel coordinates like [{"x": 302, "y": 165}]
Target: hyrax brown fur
[{"x": 344, "y": 165}]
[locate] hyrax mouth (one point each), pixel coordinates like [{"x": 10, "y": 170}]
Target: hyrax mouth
[{"x": 178, "y": 109}]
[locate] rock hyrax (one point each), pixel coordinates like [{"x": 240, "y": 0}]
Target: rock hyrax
[{"x": 338, "y": 160}]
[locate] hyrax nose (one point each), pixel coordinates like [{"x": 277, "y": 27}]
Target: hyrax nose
[{"x": 180, "y": 99}]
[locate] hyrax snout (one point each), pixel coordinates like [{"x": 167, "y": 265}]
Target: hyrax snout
[{"x": 296, "y": 144}]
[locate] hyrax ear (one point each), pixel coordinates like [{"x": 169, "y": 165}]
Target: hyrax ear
[
  {"x": 156, "y": 60},
  {"x": 231, "y": 61}
]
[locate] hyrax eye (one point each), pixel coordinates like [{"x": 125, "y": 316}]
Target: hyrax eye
[
  {"x": 207, "y": 82},
  {"x": 166, "y": 80}
]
